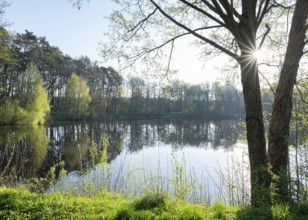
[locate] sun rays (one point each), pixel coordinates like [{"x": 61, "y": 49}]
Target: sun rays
[{"x": 258, "y": 54}]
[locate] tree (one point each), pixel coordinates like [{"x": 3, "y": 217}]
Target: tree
[
  {"x": 142, "y": 28},
  {"x": 39, "y": 108},
  {"x": 33, "y": 96},
  {"x": 77, "y": 97},
  {"x": 282, "y": 107},
  {"x": 113, "y": 82},
  {"x": 78, "y": 3},
  {"x": 18, "y": 50},
  {"x": 31, "y": 103},
  {"x": 6, "y": 59},
  {"x": 3, "y": 5},
  {"x": 136, "y": 86}
]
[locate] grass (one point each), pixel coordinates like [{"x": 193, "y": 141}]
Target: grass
[{"x": 21, "y": 204}]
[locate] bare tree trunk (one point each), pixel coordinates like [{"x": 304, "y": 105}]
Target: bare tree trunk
[
  {"x": 260, "y": 183},
  {"x": 282, "y": 107},
  {"x": 246, "y": 38}
]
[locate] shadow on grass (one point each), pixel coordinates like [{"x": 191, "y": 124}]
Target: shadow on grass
[
  {"x": 277, "y": 211},
  {"x": 254, "y": 213}
]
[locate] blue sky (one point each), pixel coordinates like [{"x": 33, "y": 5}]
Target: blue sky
[
  {"x": 75, "y": 32},
  {"x": 78, "y": 32}
]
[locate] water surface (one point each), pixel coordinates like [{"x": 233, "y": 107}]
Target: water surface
[{"x": 142, "y": 155}]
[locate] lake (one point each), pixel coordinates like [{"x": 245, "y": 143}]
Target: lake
[{"x": 201, "y": 161}]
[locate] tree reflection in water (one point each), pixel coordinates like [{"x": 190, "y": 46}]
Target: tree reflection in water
[
  {"x": 30, "y": 151},
  {"x": 23, "y": 150}
]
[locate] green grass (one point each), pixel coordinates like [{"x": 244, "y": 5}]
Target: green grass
[{"x": 21, "y": 204}]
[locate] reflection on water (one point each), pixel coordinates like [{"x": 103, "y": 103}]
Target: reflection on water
[
  {"x": 32, "y": 151},
  {"x": 23, "y": 150}
]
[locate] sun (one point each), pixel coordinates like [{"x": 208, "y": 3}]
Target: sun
[{"x": 258, "y": 54}]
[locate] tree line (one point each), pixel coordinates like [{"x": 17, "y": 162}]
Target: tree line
[
  {"x": 28, "y": 61},
  {"x": 181, "y": 97},
  {"x": 36, "y": 78}
]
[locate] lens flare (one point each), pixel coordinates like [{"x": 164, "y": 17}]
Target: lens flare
[{"x": 258, "y": 54}]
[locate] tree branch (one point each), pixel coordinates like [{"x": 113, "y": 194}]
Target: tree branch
[
  {"x": 140, "y": 23},
  {"x": 230, "y": 21},
  {"x": 278, "y": 66},
  {"x": 220, "y": 11},
  {"x": 143, "y": 53},
  {"x": 138, "y": 26},
  {"x": 259, "y": 12},
  {"x": 219, "y": 47},
  {"x": 264, "y": 36},
  {"x": 268, "y": 83},
  {"x": 262, "y": 12},
  {"x": 231, "y": 10},
  {"x": 211, "y": 7},
  {"x": 203, "y": 12},
  {"x": 169, "y": 61},
  {"x": 276, "y": 4},
  {"x": 78, "y": 3}
]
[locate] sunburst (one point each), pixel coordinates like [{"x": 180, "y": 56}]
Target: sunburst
[{"x": 258, "y": 54}]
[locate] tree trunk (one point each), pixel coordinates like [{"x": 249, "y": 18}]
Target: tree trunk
[
  {"x": 246, "y": 38},
  {"x": 282, "y": 107},
  {"x": 255, "y": 133}
]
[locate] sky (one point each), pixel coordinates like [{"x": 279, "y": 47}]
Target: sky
[{"x": 79, "y": 32}]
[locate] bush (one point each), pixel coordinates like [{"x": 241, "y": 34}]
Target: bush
[{"x": 151, "y": 201}]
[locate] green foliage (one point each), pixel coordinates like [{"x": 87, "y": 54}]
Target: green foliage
[
  {"x": 11, "y": 112},
  {"x": 151, "y": 201},
  {"x": 18, "y": 79},
  {"x": 94, "y": 154},
  {"x": 221, "y": 211},
  {"x": 104, "y": 153},
  {"x": 5, "y": 50},
  {"x": 180, "y": 179},
  {"x": 39, "y": 108},
  {"x": 31, "y": 105},
  {"x": 276, "y": 212},
  {"x": 35, "y": 111},
  {"x": 77, "y": 97}
]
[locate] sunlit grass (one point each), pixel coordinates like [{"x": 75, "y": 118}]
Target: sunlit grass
[{"x": 21, "y": 204}]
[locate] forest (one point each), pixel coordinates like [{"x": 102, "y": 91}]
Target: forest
[{"x": 38, "y": 79}]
